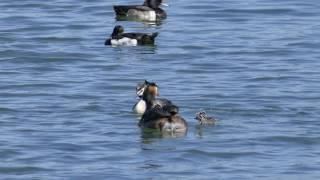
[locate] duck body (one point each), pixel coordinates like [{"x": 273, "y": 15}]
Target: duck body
[
  {"x": 118, "y": 38},
  {"x": 149, "y": 11},
  {"x": 137, "y": 12},
  {"x": 161, "y": 114}
]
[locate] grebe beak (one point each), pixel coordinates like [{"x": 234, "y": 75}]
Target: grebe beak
[
  {"x": 140, "y": 92},
  {"x": 164, "y": 4}
]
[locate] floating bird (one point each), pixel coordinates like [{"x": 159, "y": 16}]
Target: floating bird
[
  {"x": 119, "y": 38},
  {"x": 149, "y": 11}
]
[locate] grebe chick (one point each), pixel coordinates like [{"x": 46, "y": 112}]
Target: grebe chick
[{"x": 203, "y": 118}]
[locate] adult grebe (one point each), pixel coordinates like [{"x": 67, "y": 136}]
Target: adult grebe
[
  {"x": 119, "y": 38},
  {"x": 141, "y": 106},
  {"x": 161, "y": 114}
]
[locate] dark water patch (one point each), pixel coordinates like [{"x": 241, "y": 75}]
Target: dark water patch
[
  {"x": 257, "y": 11},
  {"x": 7, "y": 110},
  {"x": 82, "y": 96},
  {"x": 200, "y": 7},
  {"x": 151, "y": 166},
  {"x": 304, "y": 45},
  {"x": 70, "y": 147},
  {"x": 226, "y": 18},
  {"x": 291, "y": 140},
  {"x": 77, "y": 26},
  {"x": 102, "y": 67},
  {"x": 301, "y": 168},
  {"x": 36, "y": 29},
  {"x": 92, "y": 107},
  {"x": 223, "y": 155},
  {"x": 46, "y": 69},
  {"x": 53, "y": 39},
  {"x": 21, "y": 170},
  {"x": 274, "y": 78},
  {"x": 7, "y": 154},
  {"x": 21, "y": 94},
  {"x": 18, "y": 19},
  {"x": 33, "y": 85},
  {"x": 93, "y": 8},
  {"x": 32, "y": 56},
  {"x": 33, "y": 6}
]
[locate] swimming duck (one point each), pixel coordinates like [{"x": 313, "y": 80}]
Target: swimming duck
[
  {"x": 149, "y": 11},
  {"x": 141, "y": 106},
  {"x": 203, "y": 118},
  {"x": 119, "y": 38},
  {"x": 161, "y": 114}
]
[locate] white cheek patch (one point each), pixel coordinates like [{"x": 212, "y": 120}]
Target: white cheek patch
[
  {"x": 124, "y": 42},
  {"x": 142, "y": 15}
]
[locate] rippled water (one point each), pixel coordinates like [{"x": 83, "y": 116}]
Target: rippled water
[{"x": 66, "y": 99}]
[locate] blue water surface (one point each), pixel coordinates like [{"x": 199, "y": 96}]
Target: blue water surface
[{"x": 66, "y": 99}]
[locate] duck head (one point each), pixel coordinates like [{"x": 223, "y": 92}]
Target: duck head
[
  {"x": 154, "y": 4},
  {"x": 117, "y": 30}
]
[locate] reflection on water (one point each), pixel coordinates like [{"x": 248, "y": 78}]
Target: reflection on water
[
  {"x": 201, "y": 129},
  {"x": 148, "y": 23},
  {"x": 148, "y": 135},
  {"x": 125, "y": 51}
]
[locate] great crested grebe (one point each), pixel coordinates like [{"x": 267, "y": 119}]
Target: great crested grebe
[
  {"x": 141, "y": 106},
  {"x": 161, "y": 114}
]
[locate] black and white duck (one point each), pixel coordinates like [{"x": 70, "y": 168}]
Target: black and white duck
[
  {"x": 119, "y": 38},
  {"x": 149, "y": 11}
]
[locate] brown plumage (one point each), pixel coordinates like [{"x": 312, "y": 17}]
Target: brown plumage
[
  {"x": 162, "y": 115},
  {"x": 203, "y": 118}
]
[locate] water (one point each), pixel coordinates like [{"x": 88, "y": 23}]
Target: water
[{"x": 66, "y": 98}]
